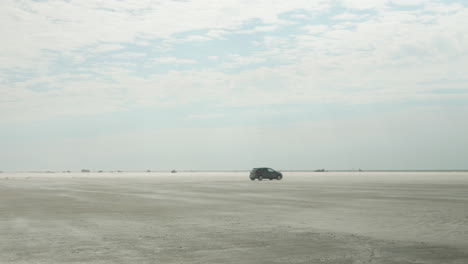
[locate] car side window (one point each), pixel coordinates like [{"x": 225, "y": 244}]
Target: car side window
[{"x": 270, "y": 170}]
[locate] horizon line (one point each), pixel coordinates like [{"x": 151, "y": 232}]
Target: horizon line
[{"x": 234, "y": 170}]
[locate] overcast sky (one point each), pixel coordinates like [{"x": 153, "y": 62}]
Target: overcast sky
[{"x": 233, "y": 84}]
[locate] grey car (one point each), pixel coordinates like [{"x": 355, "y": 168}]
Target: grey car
[{"x": 265, "y": 173}]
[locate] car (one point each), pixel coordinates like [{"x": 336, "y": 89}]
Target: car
[{"x": 265, "y": 173}]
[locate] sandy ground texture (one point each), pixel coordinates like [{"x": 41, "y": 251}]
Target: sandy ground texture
[{"x": 360, "y": 217}]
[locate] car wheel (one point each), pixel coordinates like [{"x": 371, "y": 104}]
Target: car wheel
[
  {"x": 260, "y": 177},
  {"x": 279, "y": 177},
  {"x": 252, "y": 179}
]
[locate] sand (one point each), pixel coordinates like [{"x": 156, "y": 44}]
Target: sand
[{"x": 353, "y": 217}]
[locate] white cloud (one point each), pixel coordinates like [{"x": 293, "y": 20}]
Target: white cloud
[
  {"x": 349, "y": 16},
  {"x": 314, "y": 29},
  {"x": 364, "y": 4},
  {"x": 216, "y": 33},
  {"x": 129, "y": 55},
  {"x": 107, "y": 47},
  {"x": 442, "y": 8},
  {"x": 33, "y": 27},
  {"x": 173, "y": 60},
  {"x": 238, "y": 61},
  {"x": 265, "y": 28},
  {"x": 195, "y": 38},
  {"x": 408, "y": 2},
  {"x": 388, "y": 57}
]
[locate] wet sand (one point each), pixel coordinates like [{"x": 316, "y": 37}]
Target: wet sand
[{"x": 360, "y": 217}]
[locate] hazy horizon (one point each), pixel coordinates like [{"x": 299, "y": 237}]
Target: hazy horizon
[
  {"x": 231, "y": 170},
  {"x": 197, "y": 85}
]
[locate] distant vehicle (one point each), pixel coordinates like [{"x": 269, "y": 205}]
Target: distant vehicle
[{"x": 265, "y": 173}]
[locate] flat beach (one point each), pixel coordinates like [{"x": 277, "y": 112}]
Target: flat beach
[{"x": 223, "y": 217}]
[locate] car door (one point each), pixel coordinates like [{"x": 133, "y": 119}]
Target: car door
[
  {"x": 271, "y": 173},
  {"x": 262, "y": 172}
]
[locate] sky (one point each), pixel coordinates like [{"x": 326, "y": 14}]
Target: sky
[{"x": 233, "y": 84}]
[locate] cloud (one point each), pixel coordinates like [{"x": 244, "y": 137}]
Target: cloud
[
  {"x": 107, "y": 48},
  {"x": 69, "y": 48},
  {"x": 257, "y": 29},
  {"x": 33, "y": 27},
  {"x": 173, "y": 60},
  {"x": 349, "y": 16},
  {"x": 129, "y": 55},
  {"x": 239, "y": 61},
  {"x": 315, "y": 29},
  {"x": 408, "y": 2},
  {"x": 364, "y": 4}
]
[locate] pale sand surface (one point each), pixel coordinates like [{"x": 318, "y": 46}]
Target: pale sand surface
[{"x": 360, "y": 217}]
